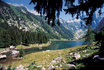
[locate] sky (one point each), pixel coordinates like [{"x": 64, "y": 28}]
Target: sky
[{"x": 31, "y": 7}]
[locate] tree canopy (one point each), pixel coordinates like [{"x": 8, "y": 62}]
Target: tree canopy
[{"x": 52, "y": 8}]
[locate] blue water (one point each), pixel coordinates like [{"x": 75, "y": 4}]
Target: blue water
[{"x": 57, "y": 45}]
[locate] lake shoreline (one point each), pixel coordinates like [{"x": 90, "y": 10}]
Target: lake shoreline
[
  {"x": 18, "y": 47},
  {"x": 39, "y": 47},
  {"x": 45, "y": 57},
  {"x": 56, "y": 51},
  {"x": 10, "y": 60}
]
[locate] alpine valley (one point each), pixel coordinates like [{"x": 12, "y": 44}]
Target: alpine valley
[{"x": 27, "y": 20}]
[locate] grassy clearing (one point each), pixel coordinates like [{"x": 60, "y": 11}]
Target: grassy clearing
[
  {"x": 26, "y": 47},
  {"x": 33, "y": 45},
  {"x": 45, "y": 57},
  {"x": 1, "y": 49},
  {"x": 62, "y": 39}
]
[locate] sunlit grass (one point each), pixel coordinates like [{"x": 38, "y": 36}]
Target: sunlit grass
[
  {"x": 45, "y": 57},
  {"x": 1, "y": 49},
  {"x": 61, "y": 39},
  {"x": 33, "y": 45}
]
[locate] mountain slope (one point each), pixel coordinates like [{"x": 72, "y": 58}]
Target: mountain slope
[
  {"x": 96, "y": 19},
  {"x": 20, "y": 17},
  {"x": 100, "y": 26},
  {"x": 98, "y": 22},
  {"x": 76, "y": 26}
]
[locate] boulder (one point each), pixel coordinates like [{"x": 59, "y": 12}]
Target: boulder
[
  {"x": 2, "y": 67},
  {"x": 87, "y": 54},
  {"x": 39, "y": 66},
  {"x": 53, "y": 62},
  {"x": 58, "y": 59},
  {"x": 43, "y": 68},
  {"x": 51, "y": 67},
  {"x": 47, "y": 50},
  {"x": 40, "y": 46},
  {"x": 60, "y": 65},
  {"x": 70, "y": 65},
  {"x": 56, "y": 66},
  {"x": 96, "y": 56},
  {"x": 71, "y": 53},
  {"x": 3, "y": 56},
  {"x": 20, "y": 67},
  {"x": 12, "y": 47},
  {"x": 84, "y": 51},
  {"x": 76, "y": 56},
  {"x": 94, "y": 48},
  {"x": 14, "y": 53}
]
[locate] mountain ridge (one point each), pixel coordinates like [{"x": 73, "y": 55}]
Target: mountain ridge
[{"x": 20, "y": 17}]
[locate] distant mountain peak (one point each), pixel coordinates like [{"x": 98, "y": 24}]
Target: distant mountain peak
[
  {"x": 33, "y": 12},
  {"x": 73, "y": 20}
]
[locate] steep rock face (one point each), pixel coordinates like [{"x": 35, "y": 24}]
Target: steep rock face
[
  {"x": 98, "y": 22},
  {"x": 77, "y": 26},
  {"x": 96, "y": 19},
  {"x": 100, "y": 26}
]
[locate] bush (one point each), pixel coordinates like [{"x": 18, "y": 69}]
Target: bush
[
  {"x": 9, "y": 67},
  {"x": 33, "y": 66},
  {"x": 21, "y": 52}
]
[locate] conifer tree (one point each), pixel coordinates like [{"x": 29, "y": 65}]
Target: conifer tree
[
  {"x": 21, "y": 52},
  {"x": 1, "y": 40},
  {"x": 90, "y": 37},
  {"x": 6, "y": 39}
]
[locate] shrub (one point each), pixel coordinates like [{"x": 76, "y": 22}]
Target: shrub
[
  {"x": 9, "y": 67},
  {"x": 21, "y": 52}
]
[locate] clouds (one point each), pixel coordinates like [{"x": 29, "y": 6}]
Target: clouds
[
  {"x": 74, "y": 20},
  {"x": 33, "y": 12},
  {"x": 21, "y": 5},
  {"x": 16, "y": 4}
]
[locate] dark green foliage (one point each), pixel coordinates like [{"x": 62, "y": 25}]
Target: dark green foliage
[
  {"x": 14, "y": 68},
  {"x": 33, "y": 66},
  {"x": 52, "y": 8},
  {"x": 21, "y": 52},
  {"x": 9, "y": 67},
  {"x": 100, "y": 38},
  {"x": 5, "y": 39},
  {"x": 90, "y": 36},
  {"x": 14, "y": 15},
  {"x": 49, "y": 7},
  {"x": 1, "y": 40},
  {"x": 14, "y": 36}
]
